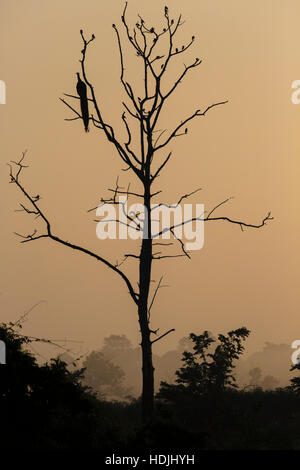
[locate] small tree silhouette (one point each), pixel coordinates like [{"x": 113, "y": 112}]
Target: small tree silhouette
[
  {"x": 206, "y": 371},
  {"x": 103, "y": 376},
  {"x": 268, "y": 382},
  {"x": 255, "y": 376}
]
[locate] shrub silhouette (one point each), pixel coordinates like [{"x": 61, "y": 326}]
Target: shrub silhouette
[
  {"x": 44, "y": 406},
  {"x": 295, "y": 381}
]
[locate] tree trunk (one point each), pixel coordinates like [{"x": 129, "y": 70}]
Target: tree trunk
[
  {"x": 147, "y": 369},
  {"x": 144, "y": 286}
]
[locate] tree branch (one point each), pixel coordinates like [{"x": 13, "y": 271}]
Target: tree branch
[
  {"x": 49, "y": 234},
  {"x": 208, "y": 219},
  {"x": 195, "y": 114},
  {"x": 162, "y": 336}
]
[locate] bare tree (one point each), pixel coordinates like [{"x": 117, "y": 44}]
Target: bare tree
[{"x": 156, "y": 49}]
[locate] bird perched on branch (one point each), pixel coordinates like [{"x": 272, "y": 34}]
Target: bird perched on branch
[{"x": 82, "y": 93}]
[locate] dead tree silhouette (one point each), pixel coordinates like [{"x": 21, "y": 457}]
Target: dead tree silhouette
[{"x": 145, "y": 165}]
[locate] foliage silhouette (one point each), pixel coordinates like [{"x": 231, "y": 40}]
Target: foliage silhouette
[{"x": 47, "y": 407}]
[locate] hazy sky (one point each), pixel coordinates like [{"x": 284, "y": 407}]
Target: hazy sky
[{"x": 248, "y": 149}]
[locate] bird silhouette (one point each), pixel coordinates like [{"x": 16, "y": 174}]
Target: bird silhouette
[{"x": 82, "y": 93}]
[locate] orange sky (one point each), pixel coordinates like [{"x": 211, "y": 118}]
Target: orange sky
[{"x": 248, "y": 149}]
